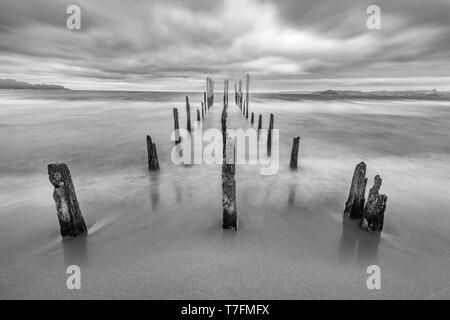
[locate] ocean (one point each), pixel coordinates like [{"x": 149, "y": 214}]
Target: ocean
[{"x": 158, "y": 235}]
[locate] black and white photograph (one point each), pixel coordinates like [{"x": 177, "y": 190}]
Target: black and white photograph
[{"x": 228, "y": 150}]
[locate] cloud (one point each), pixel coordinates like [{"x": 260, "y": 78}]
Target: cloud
[{"x": 173, "y": 45}]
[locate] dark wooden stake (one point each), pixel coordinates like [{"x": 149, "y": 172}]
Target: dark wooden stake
[
  {"x": 246, "y": 111},
  {"x": 229, "y": 188},
  {"x": 252, "y": 120},
  {"x": 355, "y": 204},
  {"x": 373, "y": 215},
  {"x": 153, "y": 163},
  {"x": 294, "y": 153},
  {"x": 188, "y": 113},
  {"x": 203, "y": 112},
  {"x": 247, "y": 89},
  {"x": 204, "y": 101},
  {"x": 259, "y": 123},
  {"x": 176, "y": 126},
  {"x": 198, "y": 115},
  {"x": 269, "y": 136},
  {"x": 67, "y": 207}
]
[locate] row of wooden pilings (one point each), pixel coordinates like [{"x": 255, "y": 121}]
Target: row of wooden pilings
[{"x": 370, "y": 212}]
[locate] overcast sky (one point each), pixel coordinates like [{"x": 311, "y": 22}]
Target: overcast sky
[{"x": 174, "y": 45}]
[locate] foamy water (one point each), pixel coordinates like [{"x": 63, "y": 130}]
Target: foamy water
[{"x": 159, "y": 235}]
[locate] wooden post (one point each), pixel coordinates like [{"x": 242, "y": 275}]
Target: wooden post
[
  {"x": 229, "y": 187},
  {"x": 225, "y": 92},
  {"x": 269, "y": 136},
  {"x": 247, "y": 88},
  {"x": 246, "y": 112},
  {"x": 188, "y": 113},
  {"x": 224, "y": 129},
  {"x": 67, "y": 207},
  {"x": 203, "y": 112},
  {"x": 259, "y": 123},
  {"x": 355, "y": 204},
  {"x": 176, "y": 126},
  {"x": 198, "y": 115},
  {"x": 294, "y": 153},
  {"x": 373, "y": 215},
  {"x": 204, "y": 100},
  {"x": 252, "y": 120},
  {"x": 240, "y": 94},
  {"x": 153, "y": 163}
]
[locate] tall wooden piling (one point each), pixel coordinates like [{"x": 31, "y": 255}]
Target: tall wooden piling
[
  {"x": 153, "y": 163},
  {"x": 259, "y": 123},
  {"x": 294, "y": 153},
  {"x": 355, "y": 204},
  {"x": 198, "y": 115},
  {"x": 209, "y": 92},
  {"x": 247, "y": 90},
  {"x": 246, "y": 111},
  {"x": 229, "y": 187},
  {"x": 373, "y": 216},
  {"x": 240, "y": 95},
  {"x": 225, "y": 92},
  {"x": 252, "y": 119},
  {"x": 67, "y": 207},
  {"x": 188, "y": 115},
  {"x": 224, "y": 128},
  {"x": 203, "y": 112},
  {"x": 176, "y": 126},
  {"x": 269, "y": 136},
  {"x": 204, "y": 101}
]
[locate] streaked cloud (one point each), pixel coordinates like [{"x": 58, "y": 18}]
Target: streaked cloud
[{"x": 173, "y": 45}]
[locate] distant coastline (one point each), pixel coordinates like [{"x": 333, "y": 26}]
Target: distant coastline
[{"x": 14, "y": 84}]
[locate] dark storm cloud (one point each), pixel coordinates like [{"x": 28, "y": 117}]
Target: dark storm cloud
[{"x": 135, "y": 44}]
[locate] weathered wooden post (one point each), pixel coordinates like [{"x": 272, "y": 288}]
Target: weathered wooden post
[
  {"x": 224, "y": 129},
  {"x": 355, "y": 204},
  {"x": 229, "y": 187},
  {"x": 67, "y": 207},
  {"x": 247, "y": 88},
  {"x": 259, "y": 123},
  {"x": 204, "y": 100},
  {"x": 294, "y": 153},
  {"x": 252, "y": 120},
  {"x": 203, "y": 112},
  {"x": 373, "y": 216},
  {"x": 240, "y": 95},
  {"x": 246, "y": 112},
  {"x": 269, "y": 136},
  {"x": 188, "y": 114},
  {"x": 153, "y": 163},
  {"x": 225, "y": 92},
  {"x": 198, "y": 116},
  {"x": 176, "y": 126}
]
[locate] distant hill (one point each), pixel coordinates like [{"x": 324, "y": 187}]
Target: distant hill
[
  {"x": 13, "y": 84},
  {"x": 332, "y": 92}
]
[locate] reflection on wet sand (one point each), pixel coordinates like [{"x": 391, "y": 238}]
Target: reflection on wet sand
[
  {"x": 154, "y": 189},
  {"x": 75, "y": 251},
  {"x": 291, "y": 199},
  {"x": 356, "y": 241}
]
